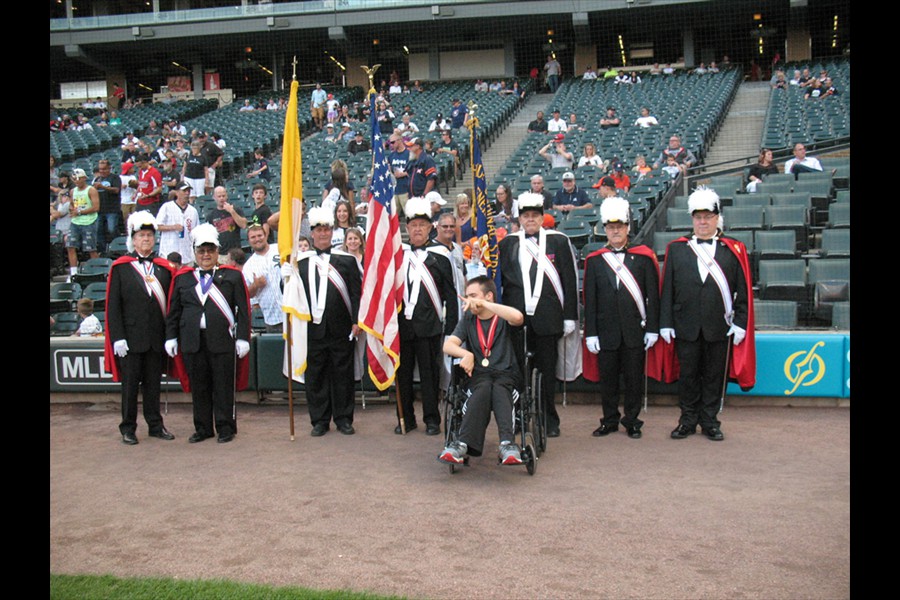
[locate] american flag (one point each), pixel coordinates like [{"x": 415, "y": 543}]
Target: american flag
[{"x": 382, "y": 286}]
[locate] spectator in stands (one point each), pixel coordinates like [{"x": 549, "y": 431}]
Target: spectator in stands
[
  {"x": 236, "y": 257},
  {"x": 118, "y": 95},
  {"x": 128, "y": 190},
  {"x": 194, "y": 170},
  {"x": 448, "y": 146},
  {"x": 623, "y": 182},
  {"x": 507, "y": 211},
  {"x": 417, "y": 87},
  {"x": 801, "y": 163},
  {"x": 556, "y": 124},
  {"x": 108, "y": 187},
  {"x": 355, "y": 244},
  {"x": 589, "y": 74},
  {"x": 399, "y": 159},
  {"x": 481, "y": 86},
  {"x": 181, "y": 153},
  {"x": 573, "y": 123},
  {"x": 149, "y": 185},
  {"x": 429, "y": 148},
  {"x": 213, "y": 156},
  {"x": 272, "y": 105},
  {"x": 344, "y": 219},
  {"x": 114, "y": 118},
  {"x": 701, "y": 70},
  {"x": 407, "y": 127},
  {"x": 262, "y": 274},
  {"x": 227, "y": 219},
  {"x": 672, "y": 168},
  {"x": 423, "y": 174},
  {"x": 358, "y": 144},
  {"x": 261, "y": 210},
  {"x": 758, "y": 172},
  {"x": 317, "y": 105},
  {"x": 344, "y": 134},
  {"x": 713, "y": 68},
  {"x": 622, "y": 78},
  {"x": 778, "y": 81},
  {"x": 497, "y": 86},
  {"x": 814, "y": 90},
  {"x": 611, "y": 119},
  {"x": 129, "y": 153},
  {"x": 569, "y": 197},
  {"x": 539, "y": 125},
  {"x": 518, "y": 91},
  {"x": 459, "y": 114},
  {"x": 655, "y": 69},
  {"x": 54, "y": 178},
  {"x": 329, "y": 135},
  {"x": 553, "y": 70},
  {"x": 90, "y": 325},
  {"x": 260, "y": 166},
  {"x": 175, "y": 261},
  {"x": 175, "y": 221},
  {"x": 668, "y": 70},
  {"x": 247, "y": 107},
  {"x": 805, "y": 78},
  {"x": 646, "y": 119},
  {"x": 607, "y": 187},
  {"x": 333, "y": 107},
  {"x": 84, "y": 209},
  {"x": 682, "y": 155},
  {"x": 558, "y": 156},
  {"x": 828, "y": 87},
  {"x": 59, "y": 208},
  {"x": 439, "y": 123},
  {"x": 463, "y": 210},
  {"x": 795, "y": 80},
  {"x": 590, "y": 158},
  {"x": 610, "y": 73},
  {"x": 341, "y": 184},
  {"x": 537, "y": 187},
  {"x": 128, "y": 139},
  {"x": 640, "y": 166},
  {"x": 385, "y": 117},
  {"x": 153, "y": 131}
]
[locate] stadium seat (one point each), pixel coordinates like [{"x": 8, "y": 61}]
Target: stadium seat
[{"x": 775, "y": 314}]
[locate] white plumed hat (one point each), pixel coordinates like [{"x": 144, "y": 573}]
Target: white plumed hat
[
  {"x": 205, "y": 234},
  {"x": 137, "y": 221},
  {"x": 417, "y": 208},
  {"x": 530, "y": 201},
  {"x": 320, "y": 215},
  {"x": 615, "y": 210}
]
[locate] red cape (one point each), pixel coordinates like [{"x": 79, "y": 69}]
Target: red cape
[
  {"x": 110, "y": 365},
  {"x": 742, "y": 365},
  {"x": 243, "y": 364},
  {"x": 590, "y": 368}
]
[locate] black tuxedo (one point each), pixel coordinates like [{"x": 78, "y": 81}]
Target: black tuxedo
[
  {"x": 420, "y": 338},
  {"x": 329, "y": 371},
  {"x": 694, "y": 309},
  {"x": 545, "y": 327},
  {"x": 610, "y": 314},
  {"x": 133, "y": 315},
  {"x": 209, "y": 354}
]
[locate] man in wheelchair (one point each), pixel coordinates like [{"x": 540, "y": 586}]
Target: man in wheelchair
[{"x": 482, "y": 341}]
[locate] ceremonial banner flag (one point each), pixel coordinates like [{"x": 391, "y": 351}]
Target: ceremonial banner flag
[
  {"x": 382, "y": 285},
  {"x": 483, "y": 214}
]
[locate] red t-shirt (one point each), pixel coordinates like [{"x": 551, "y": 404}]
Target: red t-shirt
[{"x": 148, "y": 181}]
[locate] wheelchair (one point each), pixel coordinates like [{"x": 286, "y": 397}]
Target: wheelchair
[{"x": 528, "y": 422}]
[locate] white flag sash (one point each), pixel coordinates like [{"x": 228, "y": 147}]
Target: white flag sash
[
  {"x": 415, "y": 266},
  {"x": 151, "y": 283},
  {"x": 627, "y": 279},
  {"x": 715, "y": 271},
  {"x": 215, "y": 294},
  {"x": 528, "y": 252}
]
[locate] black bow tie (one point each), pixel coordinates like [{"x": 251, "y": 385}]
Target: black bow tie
[
  {"x": 206, "y": 273},
  {"x": 145, "y": 259},
  {"x": 709, "y": 241},
  {"x": 415, "y": 248},
  {"x": 619, "y": 251},
  {"x": 325, "y": 251}
]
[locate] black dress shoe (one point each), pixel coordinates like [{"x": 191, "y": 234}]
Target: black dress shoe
[
  {"x": 409, "y": 428},
  {"x": 432, "y": 429},
  {"x": 129, "y": 439},
  {"x": 319, "y": 429},
  {"x": 682, "y": 431},
  {"x": 224, "y": 438},
  {"x": 634, "y": 433},
  {"x": 163, "y": 434},
  {"x": 346, "y": 429},
  {"x": 604, "y": 429},
  {"x": 197, "y": 437},
  {"x": 552, "y": 432},
  {"x": 714, "y": 433}
]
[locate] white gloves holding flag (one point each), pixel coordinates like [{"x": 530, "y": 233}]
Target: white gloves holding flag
[{"x": 120, "y": 347}]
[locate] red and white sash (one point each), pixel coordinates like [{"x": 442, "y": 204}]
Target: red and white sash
[
  {"x": 706, "y": 259},
  {"x": 417, "y": 274},
  {"x": 151, "y": 283},
  {"x": 215, "y": 294},
  {"x": 627, "y": 279},
  {"x": 528, "y": 252}
]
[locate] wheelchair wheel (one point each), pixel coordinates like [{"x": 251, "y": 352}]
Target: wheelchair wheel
[
  {"x": 539, "y": 426},
  {"x": 529, "y": 454}
]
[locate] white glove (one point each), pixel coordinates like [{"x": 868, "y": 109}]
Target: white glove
[
  {"x": 593, "y": 344},
  {"x": 172, "y": 347},
  {"x": 568, "y": 327},
  {"x": 285, "y": 270},
  {"x": 120, "y": 347},
  {"x": 738, "y": 333},
  {"x": 667, "y": 334},
  {"x": 650, "y": 339},
  {"x": 242, "y": 347}
]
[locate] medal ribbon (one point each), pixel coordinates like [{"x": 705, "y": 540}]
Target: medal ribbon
[{"x": 486, "y": 346}]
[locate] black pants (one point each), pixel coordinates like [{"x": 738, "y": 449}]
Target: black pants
[
  {"x": 488, "y": 394},
  {"x": 140, "y": 371},
  {"x": 545, "y": 356},
  {"x": 329, "y": 380},
  {"x": 701, "y": 380},
  {"x": 427, "y": 353},
  {"x": 212, "y": 389},
  {"x": 628, "y": 362}
]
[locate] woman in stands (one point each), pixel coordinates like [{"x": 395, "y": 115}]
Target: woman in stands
[
  {"x": 344, "y": 219},
  {"x": 590, "y": 157},
  {"x": 54, "y": 179},
  {"x": 507, "y": 213},
  {"x": 355, "y": 244},
  {"x": 340, "y": 181},
  {"x": 464, "y": 230},
  {"x": 640, "y": 166},
  {"x": 761, "y": 169}
]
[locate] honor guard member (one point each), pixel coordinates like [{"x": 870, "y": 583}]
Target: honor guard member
[
  {"x": 208, "y": 324},
  {"x": 621, "y": 316},
  {"x": 332, "y": 284},
  {"x": 706, "y": 307},
  {"x": 429, "y": 311},
  {"x": 538, "y": 277},
  {"x": 137, "y": 296}
]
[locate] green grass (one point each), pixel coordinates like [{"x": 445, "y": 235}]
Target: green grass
[{"x": 107, "y": 587}]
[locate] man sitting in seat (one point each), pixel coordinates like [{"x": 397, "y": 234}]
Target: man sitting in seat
[{"x": 490, "y": 362}]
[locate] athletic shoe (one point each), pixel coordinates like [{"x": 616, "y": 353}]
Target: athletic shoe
[
  {"x": 455, "y": 453},
  {"x": 509, "y": 454}
]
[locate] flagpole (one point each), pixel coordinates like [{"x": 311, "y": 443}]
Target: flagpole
[{"x": 290, "y": 341}]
